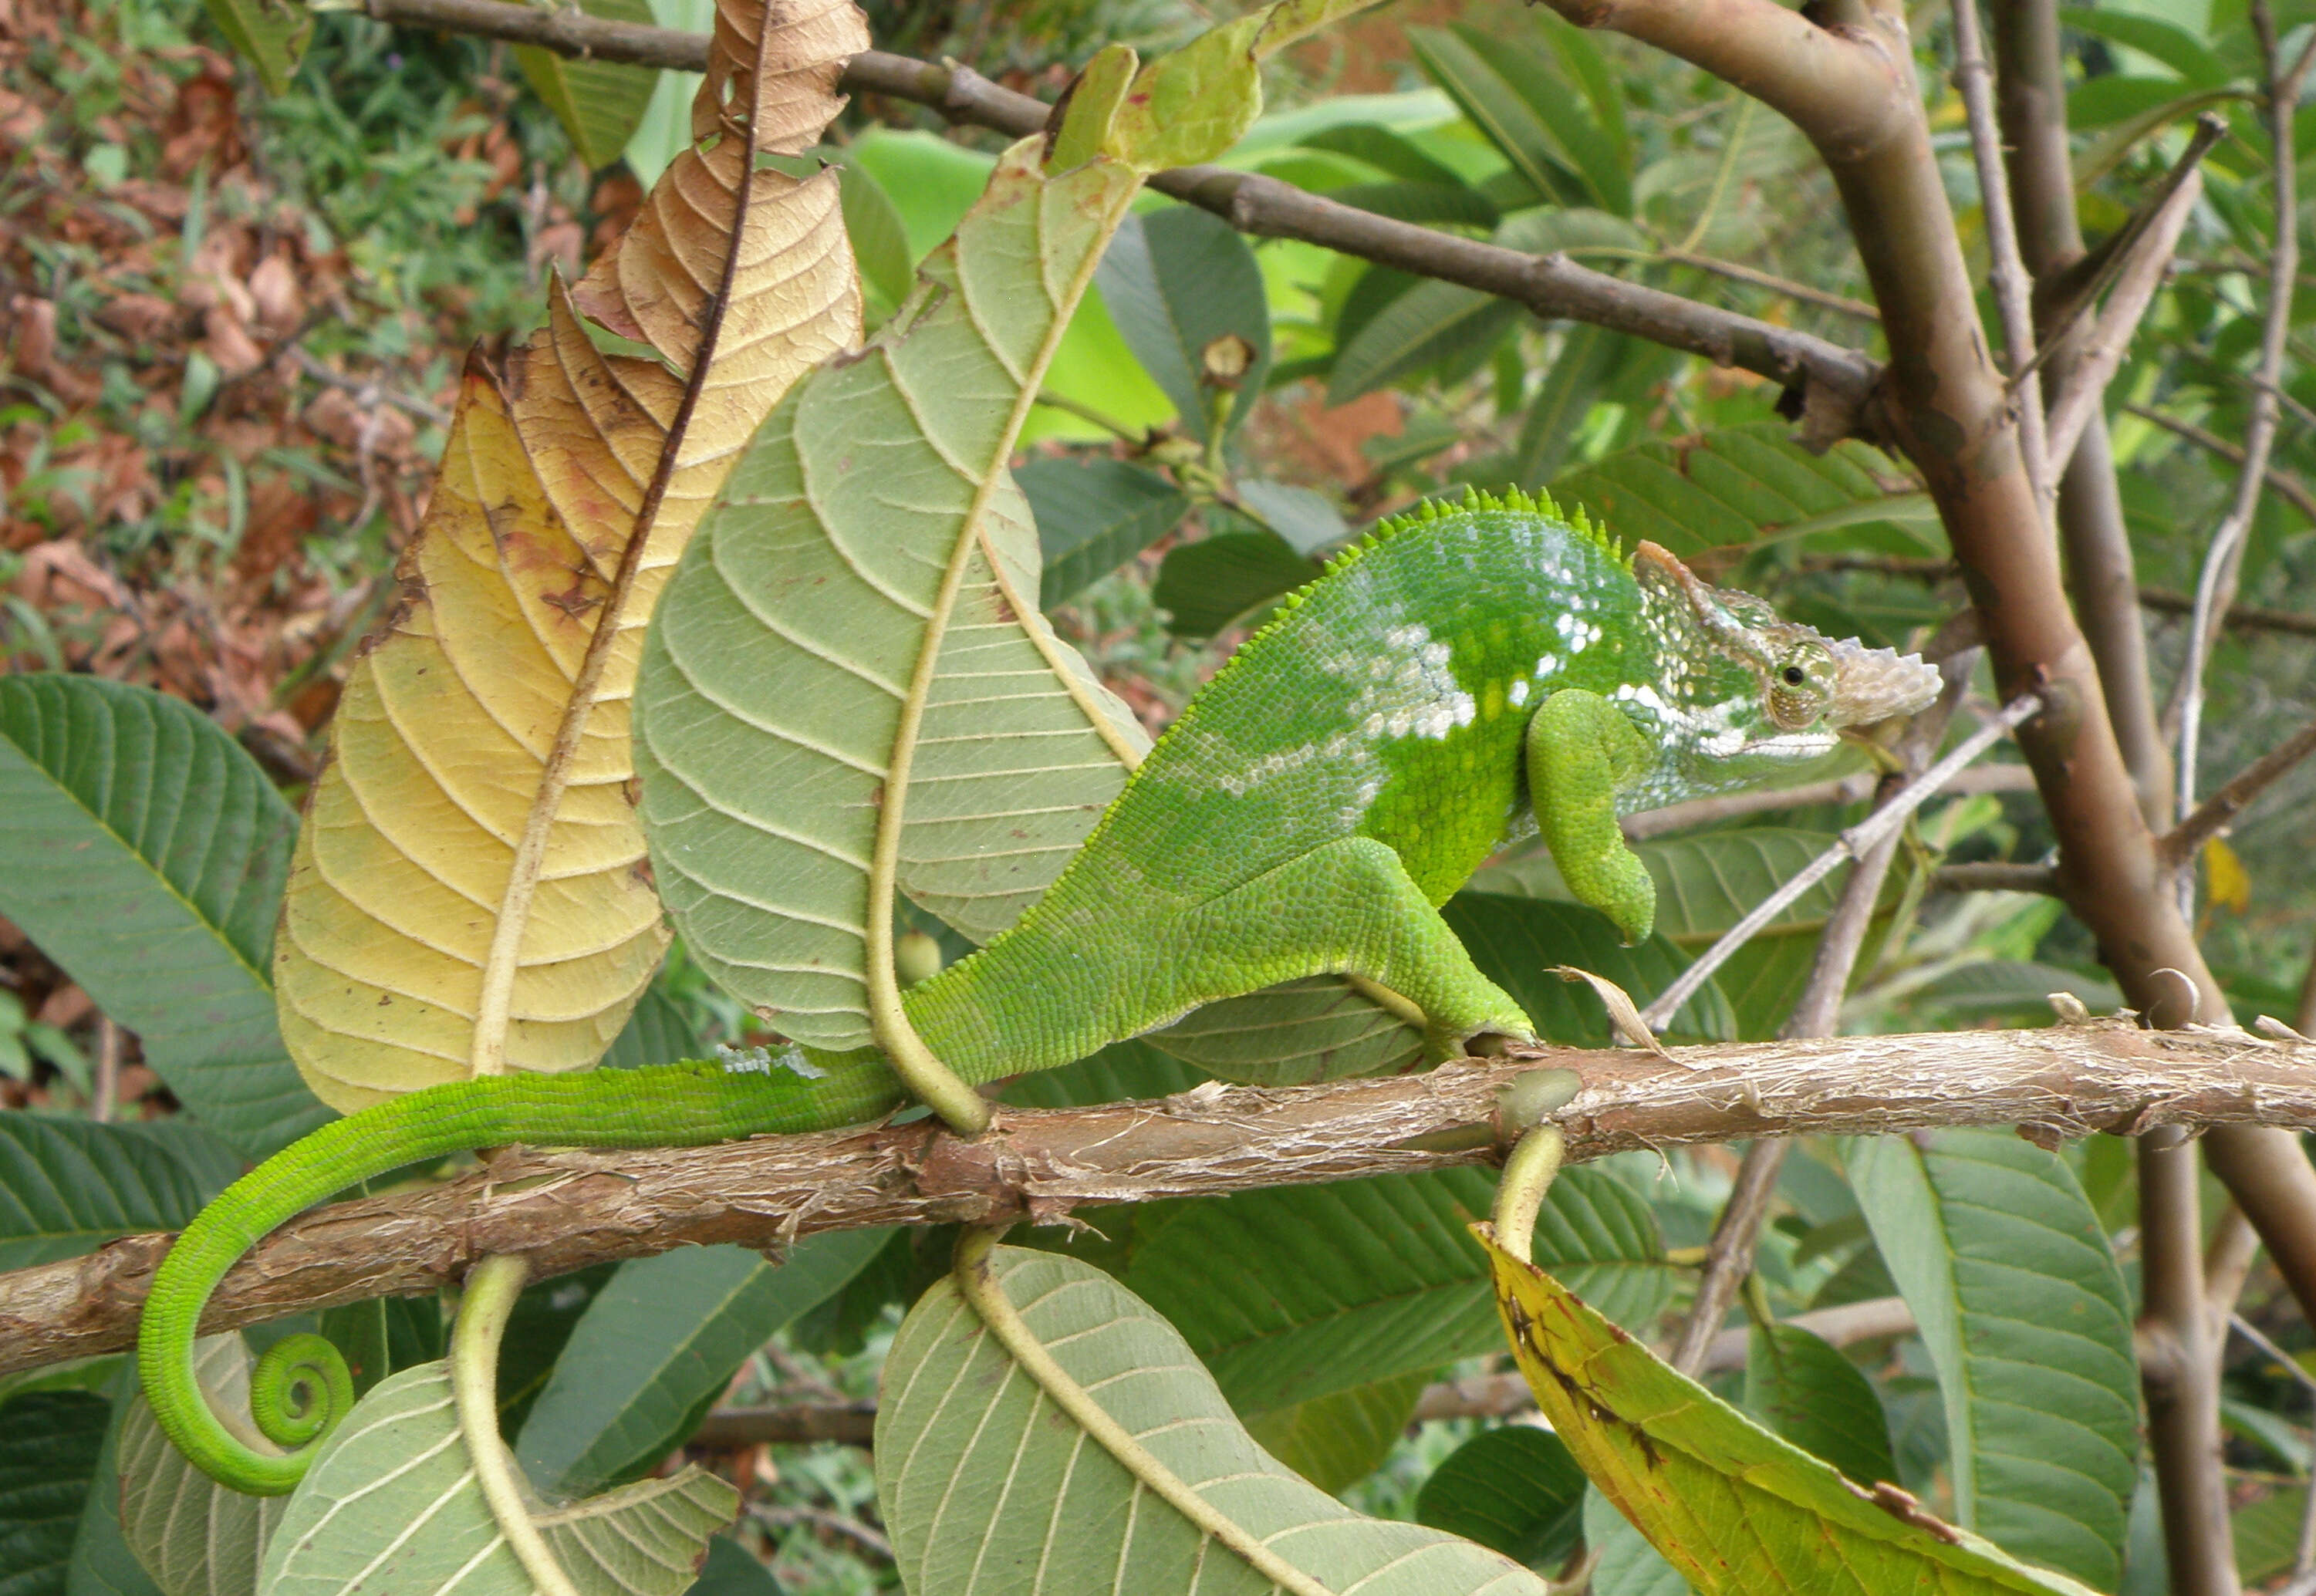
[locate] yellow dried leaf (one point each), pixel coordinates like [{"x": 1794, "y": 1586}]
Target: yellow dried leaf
[
  {"x": 2231, "y": 883},
  {"x": 469, "y": 893}
]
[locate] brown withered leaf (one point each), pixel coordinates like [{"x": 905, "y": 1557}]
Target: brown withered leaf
[{"x": 469, "y": 893}]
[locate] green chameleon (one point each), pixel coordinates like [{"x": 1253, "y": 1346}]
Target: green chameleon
[{"x": 1464, "y": 673}]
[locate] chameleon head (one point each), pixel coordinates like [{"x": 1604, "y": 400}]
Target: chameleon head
[{"x": 1808, "y": 685}]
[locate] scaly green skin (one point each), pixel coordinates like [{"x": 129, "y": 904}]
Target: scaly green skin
[{"x": 1465, "y": 672}]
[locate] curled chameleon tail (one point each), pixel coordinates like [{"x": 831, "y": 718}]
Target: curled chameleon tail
[{"x": 301, "y": 1389}]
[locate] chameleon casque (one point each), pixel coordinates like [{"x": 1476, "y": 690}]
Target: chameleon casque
[{"x": 1464, "y": 668}]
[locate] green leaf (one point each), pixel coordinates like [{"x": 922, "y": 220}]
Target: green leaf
[
  {"x": 599, "y": 104},
  {"x": 1516, "y": 942},
  {"x": 1306, "y": 518},
  {"x": 1513, "y": 1489},
  {"x": 1553, "y": 426},
  {"x": 1295, "y": 1294},
  {"x": 1431, "y": 324},
  {"x": 987, "y": 1488},
  {"x": 1295, "y": 1034},
  {"x": 538, "y": 1330},
  {"x": 147, "y": 852},
  {"x": 880, "y": 239},
  {"x": 1176, "y": 282},
  {"x": 1093, "y": 515},
  {"x": 658, "y": 1345},
  {"x": 1426, "y": 203},
  {"x": 270, "y": 35},
  {"x": 2168, "y": 42},
  {"x": 50, "y": 1441},
  {"x": 657, "y": 1032},
  {"x": 1807, "y": 1391},
  {"x": 872, "y": 523},
  {"x": 1628, "y": 1565},
  {"x": 731, "y": 1571},
  {"x": 1741, "y": 486},
  {"x": 392, "y": 1506},
  {"x": 2022, "y": 1307},
  {"x": 1500, "y": 110},
  {"x": 1386, "y": 151},
  {"x": 1231, "y": 579},
  {"x": 102, "y": 1564},
  {"x": 1732, "y": 1506},
  {"x": 194, "y": 1537},
  {"x": 1336, "y": 1439},
  {"x": 68, "y": 1186},
  {"x": 1565, "y": 122},
  {"x": 1122, "y": 1072},
  {"x": 2267, "y": 1534}
]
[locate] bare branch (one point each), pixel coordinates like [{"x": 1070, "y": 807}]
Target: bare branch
[
  {"x": 1836, "y": 383},
  {"x": 2141, "y": 273},
  {"x": 853, "y": 1423},
  {"x": 2014, "y": 292},
  {"x": 2218, "y": 811},
  {"x": 566, "y": 1210},
  {"x": 1729, "y": 1255},
  {"x": 1996, "y": 878}
]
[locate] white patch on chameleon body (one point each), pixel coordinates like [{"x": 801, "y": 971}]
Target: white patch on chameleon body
[{"x": 1518, "y": 692}]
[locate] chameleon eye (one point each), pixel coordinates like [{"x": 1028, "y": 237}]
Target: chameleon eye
[
  {"x": 1800, "y": 687},
  {"x": 1796, "y": 675}
]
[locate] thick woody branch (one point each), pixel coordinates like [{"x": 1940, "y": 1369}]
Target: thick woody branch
[
  {"x": 566, "y": 1210},
  {"x": 1835, "y": 382}
]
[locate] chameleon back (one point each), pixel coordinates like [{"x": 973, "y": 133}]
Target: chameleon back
[{"x": 1388, "y": 699}]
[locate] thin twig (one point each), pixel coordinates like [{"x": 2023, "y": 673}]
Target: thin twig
[
  {"x": 2216, "y": 812},
  {"x": 1996, "y": 878},
  {"x": 1752, "y": 275},
  {"x": 104, "y": 1092},
  {"x": 2227, "y": 1263},
  {"x": 2164, "y": 600},
  {"x": 2140, "y": 274},
  {"x": 2013, "y": 291},
  {"x": 1729, "y": 1255},
  {"x": 1851, "y": 844},
  {"x": 1836, "y": 790},
  {"x": 368, "y": 390},
  {"x": 2215, "y": 583},
  {"x": 789, "y": 1516},
  {"x": 1838, "y": 383}
]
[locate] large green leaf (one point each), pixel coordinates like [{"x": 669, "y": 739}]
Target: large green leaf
[
  {"x": 598, "y": 103},
  {"x": 1093, "y": 515},
  {"x": 194, "y": 1537},
  {"x": 270, "y": 35},
  {"x": 1294, "y": 1035},
  {"x": 1516, "y": 942},
  {"x": 146, "y": 855},
  {"x": 1501, "y": 110},
  {"x": 986, "y": 1489},
  {"x": 1229, "y": 579},
  {"x": 1706, "y": 884},
  {"x": 391, "y": 1507},
  {"x": 1733, "y": 1507},
  {"x": 1176, "y": 282},
  {"x": 1628, "y": 1565},
  {"x": 659, "y": 1345},
  {"x": 1432, "y": 323},
  {"x": 1514, "y": 1489},
  {"x": 1809, "y": 1393},
  {"x": 1745, "y": 484},
  {"x": 68, "y": 1186},
  {"x": 1343, "y": 1437},
  {"x": 1298, "y": 1293},
  {"x": 50, "y": 1441},
  {"x": 2022, "y": 1307},
  {"x": 851, "y": 649},
  {"x": 102, "y": 1564}
]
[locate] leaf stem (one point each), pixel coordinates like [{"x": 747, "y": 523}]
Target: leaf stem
[
  {"x": 1519, "y": 1196},
  {"x": 976, "y": 1282},
  {"x": 492, "y": 1287}
]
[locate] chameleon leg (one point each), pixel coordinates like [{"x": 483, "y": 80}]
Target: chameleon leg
[
  {"x": 1348, "y": 908},
  {"x": 1580, "y": 748}
]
